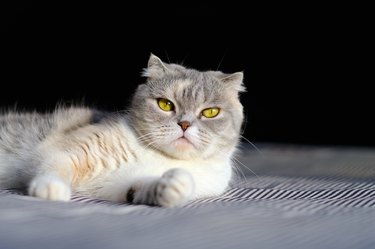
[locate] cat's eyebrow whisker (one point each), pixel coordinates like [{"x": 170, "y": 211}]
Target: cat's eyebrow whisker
[
  {"x": 221, "y": 61},
  {"x": 166, "y": 54}
]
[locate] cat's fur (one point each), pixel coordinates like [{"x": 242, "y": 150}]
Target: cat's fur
[{"x": 137, "y": 157}]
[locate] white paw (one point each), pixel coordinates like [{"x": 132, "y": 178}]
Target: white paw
[
  {"x": 49, "y": 188},
  {"x": 175, "y": 187}
]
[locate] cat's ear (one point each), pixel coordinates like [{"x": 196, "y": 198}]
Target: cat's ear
[
  {"x": 155, "y": 68},
  {"x": 234, "y": 81}
]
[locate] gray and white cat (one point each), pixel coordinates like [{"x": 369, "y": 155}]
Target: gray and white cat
[{"x": 174, "y": 144}]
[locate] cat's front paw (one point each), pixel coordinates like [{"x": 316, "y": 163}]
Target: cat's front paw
[
  {"x": 175, "y": 187},
  {"x": 50, "y": 188}
]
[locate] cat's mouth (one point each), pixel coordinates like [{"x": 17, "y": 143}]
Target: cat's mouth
[{"x": 183, "y": 143}]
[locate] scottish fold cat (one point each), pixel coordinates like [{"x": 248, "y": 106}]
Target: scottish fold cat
[{"x": 175, "y": 142}]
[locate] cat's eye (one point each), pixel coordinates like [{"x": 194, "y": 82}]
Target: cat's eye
[
  {"x": 211, "y": 112},
  {"x": 165, "y": 104}
]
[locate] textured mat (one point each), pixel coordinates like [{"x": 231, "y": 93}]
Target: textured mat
[{"x": 284, "y": 197}]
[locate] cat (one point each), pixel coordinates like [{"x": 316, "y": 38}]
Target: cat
[{"x": 175, "y": 142}]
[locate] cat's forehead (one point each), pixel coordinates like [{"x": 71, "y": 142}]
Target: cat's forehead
[{"x": 191, "y": 86}]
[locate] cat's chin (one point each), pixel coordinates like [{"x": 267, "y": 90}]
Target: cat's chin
[
  {"x": 181, "y": 148},
  {"x": 183, "y": 144}
]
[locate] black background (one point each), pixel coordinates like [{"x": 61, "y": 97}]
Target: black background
[{"x": 308, "y": 68}]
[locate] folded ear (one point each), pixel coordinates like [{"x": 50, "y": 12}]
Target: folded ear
[
  {"x": 234, "y": 81},
  {"x": 155, "y": 68}
]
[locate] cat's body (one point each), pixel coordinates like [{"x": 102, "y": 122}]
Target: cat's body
[{"x": 174, "y": 144}]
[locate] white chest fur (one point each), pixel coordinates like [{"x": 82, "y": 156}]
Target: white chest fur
[{"x": 211, "y": 176}]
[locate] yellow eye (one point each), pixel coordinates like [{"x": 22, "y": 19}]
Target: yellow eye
[
  {"x": 165, "y": 105},
  {"x": 211, "y": 112}
]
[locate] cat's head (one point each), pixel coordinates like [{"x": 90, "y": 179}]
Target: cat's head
[{"x": 186, "y": 114}]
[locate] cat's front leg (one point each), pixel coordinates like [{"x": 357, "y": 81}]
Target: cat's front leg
[{"x": 173, "y": 188}]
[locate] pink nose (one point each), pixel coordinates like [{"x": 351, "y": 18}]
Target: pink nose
[{"x": 184, "y": 125}]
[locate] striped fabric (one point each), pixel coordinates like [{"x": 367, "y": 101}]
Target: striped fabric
[{"x": 284, "y": 197}]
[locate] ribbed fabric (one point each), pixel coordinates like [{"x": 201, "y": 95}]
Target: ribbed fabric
[{"x": 293, "y": 197}]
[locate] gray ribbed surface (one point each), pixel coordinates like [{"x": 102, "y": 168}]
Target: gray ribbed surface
[{"x": 300, "y": 197}]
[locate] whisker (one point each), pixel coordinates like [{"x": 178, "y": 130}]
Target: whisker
[
  {"x": 166, "y": 54},
  {"x": 150, "y": 134},
  {"x": 238, "y": 171},
  {"x": 221, "y": 61},
  {"x": 183, "y": 60},
  {"x": 244, "y": 125},
  {"x": 151, "y": 144},
  {"x": 146, "y": 136},
  {"x": 203, "y": 137},
  {"x": 150, "y": 137},
  {"x": 252, "y": 144},
  {"x": 204, "y": 141},
  {"x": 252, "y": 171},
  {"x": 120, "y": 111}
]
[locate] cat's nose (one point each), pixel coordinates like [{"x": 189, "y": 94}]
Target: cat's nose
[{"x": 184, "y": 125}]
